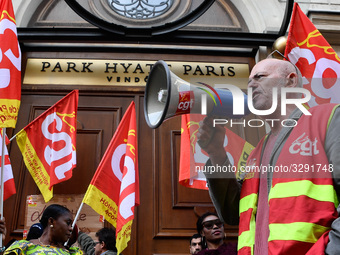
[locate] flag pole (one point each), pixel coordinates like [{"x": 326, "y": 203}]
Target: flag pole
[
  {"x": 12, "y": 138},
  {"x": 2, "y": 178},
  {"x": 77, "y": 215},
  {"x": 75, "y": 220}
]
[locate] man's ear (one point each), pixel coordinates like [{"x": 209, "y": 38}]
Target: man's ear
[
  {"x": 103, "y": 245},
  {"x": 292, "y": 80}
]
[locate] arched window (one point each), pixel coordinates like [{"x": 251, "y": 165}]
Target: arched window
[{"x": 140, "y": 9}]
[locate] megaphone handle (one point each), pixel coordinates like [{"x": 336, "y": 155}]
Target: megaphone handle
[{"x": 204, "y": 143}]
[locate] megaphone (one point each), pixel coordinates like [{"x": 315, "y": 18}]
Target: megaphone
[{"x": 167, "y": 95}]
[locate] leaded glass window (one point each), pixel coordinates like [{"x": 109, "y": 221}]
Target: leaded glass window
[{"x": 140, "y": 9}]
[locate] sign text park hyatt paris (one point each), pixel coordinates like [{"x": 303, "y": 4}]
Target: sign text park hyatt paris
[{"x": 128, "y": 72}]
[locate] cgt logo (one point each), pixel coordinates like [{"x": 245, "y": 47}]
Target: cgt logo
[
  {"x": 185, "y": 102},
  {"x": 187, "y": 98},
  {"x": 6, "y": 52},
  {"x": 304, "y": 146}
]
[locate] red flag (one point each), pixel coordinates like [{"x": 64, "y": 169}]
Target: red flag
[
  {"x": 48, "y": 144},
  {"x": 10, "y": 67},
  {"x": 193, "y": 158},
  {"x": 114, "y": 189},
  {"x": 7, "y": 141},
  {"x": 318, "y": 62},
  {"x": 9, "y": 185}
]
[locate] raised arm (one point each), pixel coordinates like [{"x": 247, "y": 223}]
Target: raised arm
[{"x": 224, "y": 189}]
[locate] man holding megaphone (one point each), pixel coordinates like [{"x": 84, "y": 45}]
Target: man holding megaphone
[{"x": 287, "y": 196}]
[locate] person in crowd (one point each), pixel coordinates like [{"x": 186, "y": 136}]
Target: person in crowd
[
  {"x": 105, "y": 243},
  {"x": 3, "y": 228},
  {"x": 211, "y": 229},
  {"x": 56, "y": 222},
  {"x": 195, "y": 244},
  {"x": 281, "y": 212},
  {"x": 3, "y": 232},
  {"x": 35, "y": 231},
  {"x": 9, "y": 243}
]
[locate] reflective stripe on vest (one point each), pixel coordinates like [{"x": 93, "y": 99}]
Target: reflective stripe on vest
[
  {"x": 248, "y": 207},
  {"x": 248, "y": 202},
  {"x": 292, "y": 231},
  {"x": 324, "y": 193},
  {"x": 300, "y": 231},
  {"x": 247, "y": 238}
]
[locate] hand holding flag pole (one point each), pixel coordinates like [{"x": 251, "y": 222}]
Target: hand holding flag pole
[{"x": 7, "y": 187}]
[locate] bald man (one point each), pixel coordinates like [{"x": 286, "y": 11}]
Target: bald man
[{"x": 287, "y": 197}]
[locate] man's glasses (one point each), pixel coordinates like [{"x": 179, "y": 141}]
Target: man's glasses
[
  {"x": 283, "y": 56},
  {"x": 210, "y": 224},
  {"x": 95, "y": 243}
]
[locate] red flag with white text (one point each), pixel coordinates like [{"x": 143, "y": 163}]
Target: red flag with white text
[
  {"x": 9, "y": 185},
  {"x": 318, "y": 62},
  {"x": 114, "y": 189},
  {"x": 48, "y": 144},
  {"x": 10, "y": 67},
  {"x": 193, "y": 158}
]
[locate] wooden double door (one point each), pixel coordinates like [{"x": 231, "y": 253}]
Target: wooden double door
[{"x": 166, "y": 217}]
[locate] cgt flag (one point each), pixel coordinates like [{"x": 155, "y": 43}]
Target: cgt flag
[
  {"x": 10, "y": 67},
  {"x": 9, "y": 185},
  {"x": 318, "y": 62},
  {"x": 114, "y": 189},
  {"x": 193, "y": 158},
  {"x": 48, "y": 144}
]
